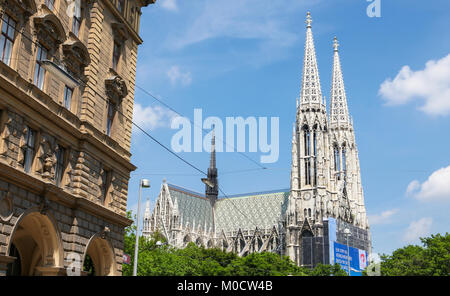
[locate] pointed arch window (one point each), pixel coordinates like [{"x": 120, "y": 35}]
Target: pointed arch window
[
  {"x": 315, "y": 155},
  {"x": 337, "y": 160},
  {"x": 307, "y": 143},
  {"x": 344, "y": 159}
]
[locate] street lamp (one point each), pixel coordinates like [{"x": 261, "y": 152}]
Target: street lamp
[
  {"x": 347, "y": 234},
  {"x": 143, "y": 183}
]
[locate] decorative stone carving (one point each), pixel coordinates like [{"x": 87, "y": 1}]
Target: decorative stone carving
[
  {"x": 120, "y": 32},
  {"x": 105, "y": 232},
  {"x": 76, "y": 55},
  {"x": 6, "y": 206},
  {"x": 116, "y": 89},
  {"x": 49, "y": 30},
  {"x": 19, "y": 9},
  {"x": 46, "y": 158}
]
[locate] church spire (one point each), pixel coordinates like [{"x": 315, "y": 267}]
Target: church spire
[
  {"x": 311, "y": 92},
  {"x": 338, "y": 108},
  {"x": 212, "y": 187}
]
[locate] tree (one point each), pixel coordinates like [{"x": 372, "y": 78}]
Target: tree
[
  {"x": 433, "y": 259},
  {"x": 327, "y": 270}
]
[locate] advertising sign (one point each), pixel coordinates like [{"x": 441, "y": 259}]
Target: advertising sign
[
  {"x": 357, "y": 259},
  {"x": 338, "y": 252},
  {"x": 126, "y": 259}
]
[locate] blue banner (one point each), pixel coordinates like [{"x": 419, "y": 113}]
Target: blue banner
[{"x": 357, "y": 259}]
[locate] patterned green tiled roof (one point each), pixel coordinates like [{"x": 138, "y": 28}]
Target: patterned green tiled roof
[
  {"x": 192, "y": 206},
  {"x": 262, "y": 210}
]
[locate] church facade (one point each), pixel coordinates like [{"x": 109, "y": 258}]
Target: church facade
[{"x": 325, "y": 183}]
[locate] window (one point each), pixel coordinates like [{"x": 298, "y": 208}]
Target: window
[
  {"x": 39, "y": 72},
  {"x": 59, "y": 169},
  {"x": 307, "y": 141},
  {"x": 106, "y": 181},
  {"x": 68, "y": 92},
  {"x": 121, "y": 5},
  {"x": 315, "y": 155},
  {"x": 344, "y": 160},
  {"x": 50, "y": 4},
  {"x": 76, "y": 21},
  {"x": 7, "y": 39},
  {"x": 28, "y": 150},
  {"x": 110, "y": 118},
  {"x": 337, "y": 166},
  {"x": 116, "y": 56}
]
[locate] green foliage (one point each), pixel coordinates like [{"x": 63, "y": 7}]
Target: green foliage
[
  {"x": 198, "y": 261},
  {"x": 433, "y": 259},
  {"x": 327, "y": 270}
]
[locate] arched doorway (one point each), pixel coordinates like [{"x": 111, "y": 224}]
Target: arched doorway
[
  {"x": 36, "y": 245},
  {"x": 99, "y": 259}
]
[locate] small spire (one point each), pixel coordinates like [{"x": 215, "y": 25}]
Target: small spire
[
  {"x": 335, "y": 44},
  {"x": 213, "y": 148},
  {"x": 308, "y": 19}
]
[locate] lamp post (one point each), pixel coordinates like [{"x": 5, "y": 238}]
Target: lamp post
[
  {"x": 143, "y": 183},
  {"x": 348, "y": 233}
]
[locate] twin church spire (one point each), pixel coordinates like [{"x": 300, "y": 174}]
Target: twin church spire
[
  {"x": 338, "y": 108},
  {"x": 311, "y": 92}
]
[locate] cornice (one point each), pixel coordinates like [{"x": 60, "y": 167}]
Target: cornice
[
  {"x": 57, "y": 194},
  {"x": 64, "y": 119}
]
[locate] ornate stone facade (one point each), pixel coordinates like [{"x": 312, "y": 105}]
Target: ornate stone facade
[
  {"x": 63, "y": 179},
  {"x": 325, "y": 182}
]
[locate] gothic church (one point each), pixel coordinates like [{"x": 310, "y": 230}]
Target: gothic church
[{"x": 325, "y": 183}]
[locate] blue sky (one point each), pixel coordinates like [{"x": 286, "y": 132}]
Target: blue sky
[{"x": 244, "y": 58}]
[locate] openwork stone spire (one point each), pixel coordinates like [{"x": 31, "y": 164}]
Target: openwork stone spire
[
  {"x": 212, "y": 184},
  {"x": 338, "y": 108},
  {"x": 311, "y": 92}
]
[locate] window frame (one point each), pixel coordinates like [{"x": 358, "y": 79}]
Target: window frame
[
  {"x": 120, "y": 5},
  {"x": 116, "y": 55},
  {"x": 67, "y": 102},
  {"x": 38, "y": 69},
  {"x": 59, "y": 165},
  {"x": 77, "y": 20},
  {"x": 7, "y": 39},
  {"x": 106, "y": 185},
  {"x": 110, "y": 114},
  {"x": 29, "y": 149}
]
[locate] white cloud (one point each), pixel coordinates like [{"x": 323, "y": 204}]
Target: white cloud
[
  {"x": 432, "y": 85},
  {"x": 412, "y": 188},
  {"x": 152, "y": 117},
  {"x": 268, "y": 24},
  {"x": 435, "y": 188},
  {"x": 169, "y": 4},
  {"x": 417, "y": 229},
  {"x": 176, "y": 75},
  {"x": 382, "y": 218}
]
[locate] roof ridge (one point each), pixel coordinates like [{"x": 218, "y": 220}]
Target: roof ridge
[
  {"x": 176, "y": 187},
  {"x": 255, "y": 193}
]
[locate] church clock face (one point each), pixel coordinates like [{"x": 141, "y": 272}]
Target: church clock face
[{"x": 307, "y": 196}]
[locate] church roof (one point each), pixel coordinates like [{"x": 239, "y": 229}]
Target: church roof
[
  {"x": 248, "y": 211},
  {"x": 243, "y": 211},
  {"x": 193, "y": 207}
]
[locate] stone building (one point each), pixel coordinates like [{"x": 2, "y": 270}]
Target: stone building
[
  {"x": 325, "y": 183},
  {"x": 67, "y": 74}
]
